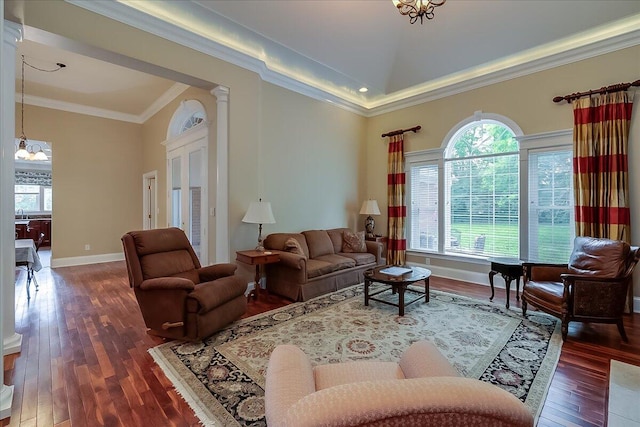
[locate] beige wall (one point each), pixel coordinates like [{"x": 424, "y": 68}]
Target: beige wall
[
  {"x": 527, "y": 101},
  {"x": 96, "y": 171}
]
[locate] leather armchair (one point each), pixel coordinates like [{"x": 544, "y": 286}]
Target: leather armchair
[
  {"x": 178, "y": 297},
  {"x": 592, "y": 287},
  {"x": 422, "y": 389}
]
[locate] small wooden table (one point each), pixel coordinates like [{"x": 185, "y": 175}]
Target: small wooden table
[
  {"x": 509, "y": 269},
  {"x": 398, "y": 283},
  {"x": 257, "y": 258}
]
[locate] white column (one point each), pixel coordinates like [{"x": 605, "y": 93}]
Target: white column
[
  {"x": 222, "y": 174},
  {"x": 11, "y": 341}
]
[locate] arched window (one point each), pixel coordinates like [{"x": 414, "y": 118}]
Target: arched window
[
  {"x": 482, "y": 183},
  {"x": 188, "y": 115}
]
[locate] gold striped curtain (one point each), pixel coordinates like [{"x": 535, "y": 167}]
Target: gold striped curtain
[
  {"x": 397, "y": 211},
  {"x": 600, "y": 165}
]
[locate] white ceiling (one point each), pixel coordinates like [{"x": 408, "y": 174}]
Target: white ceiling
[{"x": 336, "y": 47}]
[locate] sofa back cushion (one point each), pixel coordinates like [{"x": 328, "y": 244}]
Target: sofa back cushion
[
  {"x": 335, "y": 234},
  {"x": 276, "y": 241},
  {"x": 319, "y": 243},
  {"x": 354, "y": 242},
  {"x": 599, "y": 257}
]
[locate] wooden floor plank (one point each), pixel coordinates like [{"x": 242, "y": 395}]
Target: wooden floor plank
[{"x": 85, "y": 360}]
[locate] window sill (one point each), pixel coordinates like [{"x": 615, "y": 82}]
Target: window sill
[{"x": 451, "y": 256}]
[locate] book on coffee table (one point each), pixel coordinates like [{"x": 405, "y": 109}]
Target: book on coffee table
[{"x": 395, "y": 271}]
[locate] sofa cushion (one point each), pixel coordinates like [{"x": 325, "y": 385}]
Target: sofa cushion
[
  {"x": 318, "y": 242},
  {"x": 335, "y": 235},
  {"x": 293, "y": 246},
  {"x": 340, "y": 261},
  {"x": 361, "y": 258},
  {"x": 353, "y": 242},
  {"x": 172, "y": 263},
  {"x": 317, "y": 268},
  {"x": 599, "y": 257},
  {"x": 276, "y": 241}
]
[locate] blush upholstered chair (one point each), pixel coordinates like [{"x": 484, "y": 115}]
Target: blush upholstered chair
[
  {"x": 593, "y": 287},
  {"x": 177, "y": 297},
  {"x": 422, "y": 389}
]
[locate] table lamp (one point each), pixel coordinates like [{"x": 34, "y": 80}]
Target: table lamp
[
  {"x": 259, "y": 213},
  {"x": 369, "y": 207}
]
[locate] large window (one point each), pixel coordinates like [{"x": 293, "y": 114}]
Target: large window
[
  {"x": 482, "y": 190},
  {"x": 490, "y": 191}
]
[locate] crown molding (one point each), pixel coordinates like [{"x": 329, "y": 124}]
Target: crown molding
[
  {"x": 601, "y": 40},
  {"x": 172, "y": 93}
]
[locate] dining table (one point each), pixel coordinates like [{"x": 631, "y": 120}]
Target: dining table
[{"x": 27, "y": 255}]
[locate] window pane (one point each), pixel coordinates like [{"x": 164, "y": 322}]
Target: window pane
[
  {"x": 551, "y": 215},
  {"x": 28, "y": 202},
  {"x": 27, "y": 189},
  {"x": 482, "y": 191},
  {"x": 48, "y": 199},
  {"x": 424, "y": 207}
]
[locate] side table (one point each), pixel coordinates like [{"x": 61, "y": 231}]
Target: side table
[
  {"x": 379, "y": 239},
  {"x": 509, "y": 269},
  {"x": 257, "y": 258}
]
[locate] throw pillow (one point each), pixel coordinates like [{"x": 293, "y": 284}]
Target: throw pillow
[
  {"x": 293, "y": 246},
  {"x": 353, "y": 242}
]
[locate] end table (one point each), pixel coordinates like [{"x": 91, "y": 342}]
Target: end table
[
  {"x": 257, "y": 258},
  {"x": 510, "y": 269}
]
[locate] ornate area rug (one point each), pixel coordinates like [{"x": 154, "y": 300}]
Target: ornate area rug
[{"x": 222, "y": 378}]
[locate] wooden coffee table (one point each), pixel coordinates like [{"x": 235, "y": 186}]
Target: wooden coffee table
[{"x": 399, "y": 284}]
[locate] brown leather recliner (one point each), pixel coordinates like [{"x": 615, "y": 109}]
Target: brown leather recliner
[
  {"x": 593, "y": 287},
  {"x": 177, "y": 297}
]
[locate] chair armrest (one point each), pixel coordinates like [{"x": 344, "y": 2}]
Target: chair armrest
[
  {"x": 167, "y": 283},
  {"x": 213, "y": 272},
  {"x": 434, "y": 401},
  {"x": 572, "y": 278},
  {"x": 288, "y": 379},
  {"x": 543, "y": 272}
]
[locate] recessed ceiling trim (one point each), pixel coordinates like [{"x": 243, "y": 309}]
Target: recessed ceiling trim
[
  {"x": 80, "y": 109},
  {"x": 601, "y": 40},
  {"x": 172, "y": 93},
  {"x": 140, "y": 20}
]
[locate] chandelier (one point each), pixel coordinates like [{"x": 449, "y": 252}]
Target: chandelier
[
  {"x": 417, "y": 8},
  {"x": 24, "y": 153}
]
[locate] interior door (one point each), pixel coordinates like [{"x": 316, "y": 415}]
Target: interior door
[{"x": 188, "y": 194}]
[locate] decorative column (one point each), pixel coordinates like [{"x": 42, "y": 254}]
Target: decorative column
[
  {"x": 11, "y": 342},
  {"x": 222, "y": 173}
]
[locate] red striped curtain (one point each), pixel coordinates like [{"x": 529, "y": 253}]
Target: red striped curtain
[
  {"x": 397, "y": 211},
  {"x": 600, "y": 165}
]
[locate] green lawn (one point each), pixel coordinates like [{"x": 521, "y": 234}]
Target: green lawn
[{"x": 553, "y": 245}]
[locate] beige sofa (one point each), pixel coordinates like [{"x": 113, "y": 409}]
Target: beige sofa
[
  {"x": 322, "y": 266},
  {"x": 422, "y": 389}
]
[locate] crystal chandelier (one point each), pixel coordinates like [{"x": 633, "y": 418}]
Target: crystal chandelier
[{"x": 418, "y": 8}]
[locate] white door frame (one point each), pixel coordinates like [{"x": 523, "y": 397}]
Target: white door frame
[
  {"x": 148, "y": 211},
  {"x": 179, "y": 146}
]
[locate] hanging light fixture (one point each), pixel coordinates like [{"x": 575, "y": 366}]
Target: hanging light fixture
[
  {"x": 417, "y": 8},
  {"x": 23, "y": 153}
]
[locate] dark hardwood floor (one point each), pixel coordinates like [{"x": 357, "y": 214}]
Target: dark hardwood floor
[{"x": 84, "y": 359}]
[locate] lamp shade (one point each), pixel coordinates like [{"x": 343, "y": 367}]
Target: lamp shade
[
  {"x": 259, "y": 213},
  {"x": 370, "y": 207}
]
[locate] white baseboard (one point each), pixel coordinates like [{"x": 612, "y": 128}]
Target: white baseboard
[
  {"x": 483, "y": 279},
  {"x": 84, "y": 260}
]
